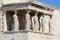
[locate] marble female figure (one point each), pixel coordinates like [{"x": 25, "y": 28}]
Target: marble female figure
[
  {"x": 41, "y": 23},
  {"x": 16, "y": 22},
  {"x": 36, "y": 23},
  {"x": 27, "y": 21}
]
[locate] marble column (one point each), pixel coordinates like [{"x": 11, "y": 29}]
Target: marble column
[
  {"x": 46, "y": 20},
  {"x": 5, "y": 22},
  {"x": 36, "y": 23},
  {"x": 16, "y": 22},
  {"x": 27, "y": 21}
]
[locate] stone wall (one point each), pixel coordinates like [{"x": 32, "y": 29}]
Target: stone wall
[
  {"x": 28, "y": 36},
  {"x": 1, "y": 25},
  {"x": 55, "y": 23},
  {"x": 15, "y": 36},
  {"x": 42, "y": 36},
  {"x": 37, "y": 36}
]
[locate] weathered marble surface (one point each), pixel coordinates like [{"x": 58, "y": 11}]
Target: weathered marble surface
[
  {"x": 46, "y": 20},
  {"x": 41, "y": 23},
  {"x": 14, "y": 1},
  {"x": 4, "y": 22},
  {"x": 28, "y": 36},
  {"x": 36, "y": 24},
  {"x": 55, "y": 23},
  {"x": 15, "y": 36},
  {"x": 27, "y": 21},
  {"x": 16, "y": 22}
]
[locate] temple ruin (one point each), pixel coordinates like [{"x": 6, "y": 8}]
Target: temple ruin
[{"x": 28, "y": 20}]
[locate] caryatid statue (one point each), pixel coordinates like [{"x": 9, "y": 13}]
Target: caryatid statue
[
  {"x": 16, "y": 22},
  {"x": 41, "y": 23},
  {"x": 36, "y": 23},
  {"x": 27, "y": 21},
  {"x": 46, "y": 20}
]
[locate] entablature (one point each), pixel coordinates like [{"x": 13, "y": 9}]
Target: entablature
[
  {"x": 6, "y": 2},
  {"x": 27, "y": 6}
]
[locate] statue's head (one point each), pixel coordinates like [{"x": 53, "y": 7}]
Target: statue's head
[{"x": 36, "y": 13}]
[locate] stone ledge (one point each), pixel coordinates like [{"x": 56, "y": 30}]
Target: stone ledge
[{"x": 26, "y": 31}]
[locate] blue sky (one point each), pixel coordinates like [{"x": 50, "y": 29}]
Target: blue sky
[{"x": 55, "y": 3}]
